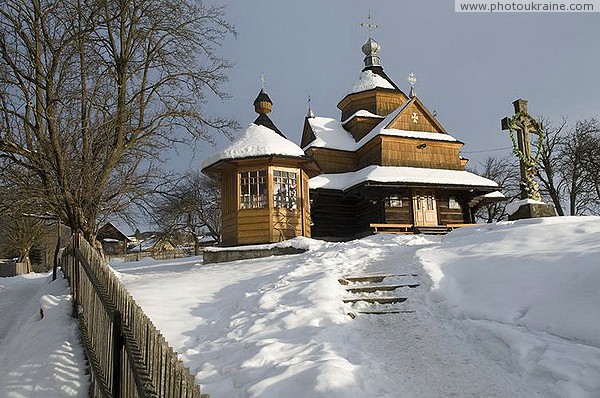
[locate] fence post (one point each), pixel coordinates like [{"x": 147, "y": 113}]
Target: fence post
[
  {"x": 75, "y": 275},
  {"x": 117, "y": 352}
]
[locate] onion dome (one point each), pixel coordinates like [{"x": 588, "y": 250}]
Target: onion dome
[{"x": 371, "y": 51}]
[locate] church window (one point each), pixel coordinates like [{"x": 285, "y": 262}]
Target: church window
[
  {"x": 393, "y": 201},
  {"x": 253, "y": 189},
  {"x": 284, "y": 189},
  {"x": 453, "y": 203}
]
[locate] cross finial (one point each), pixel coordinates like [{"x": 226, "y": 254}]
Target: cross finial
[
  {"x": 262, "y": 81},
  {"x": 412, "y": 79},
  {"x": 370, "y": 26},
  {"x": 310, "y": 112}
]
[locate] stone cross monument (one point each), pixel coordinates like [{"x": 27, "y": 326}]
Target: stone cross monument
[{"x": 524, "y": 125}]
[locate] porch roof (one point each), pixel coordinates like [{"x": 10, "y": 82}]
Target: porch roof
[{"x": 409, "y": 176}]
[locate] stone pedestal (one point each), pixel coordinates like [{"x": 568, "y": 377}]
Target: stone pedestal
[{"x": 533, "y": 210}]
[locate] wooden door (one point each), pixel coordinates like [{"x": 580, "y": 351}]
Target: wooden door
[{"x": 424, "y": 207}]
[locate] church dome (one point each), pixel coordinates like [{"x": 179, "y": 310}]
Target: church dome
[
  {"x": 371, "y": 51},
  {"x": 371, "y": 47}
]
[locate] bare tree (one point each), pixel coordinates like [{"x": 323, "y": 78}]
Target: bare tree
[
  {"x": 505, "y": 172},
  {"x": 92, "y": 91},
  {"x": 20, "y": 234},
  {"x": 192, "y": 206},
  {"x": 550, "y": 164},
  {"x": 569, "y": 167}
]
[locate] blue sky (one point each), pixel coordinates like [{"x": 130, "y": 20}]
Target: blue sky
[{"x": 469, "y": 66}]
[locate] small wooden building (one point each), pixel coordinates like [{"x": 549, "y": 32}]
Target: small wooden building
[
  {"x": 388, "y": 160},
  {"x": 114, "y": 242},
  {"x": 264, "y": 183}
]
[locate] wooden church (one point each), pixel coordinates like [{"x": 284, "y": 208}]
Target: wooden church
[
  {"x": 387, "y": 163},
  {"x": 264, "y": 183}
]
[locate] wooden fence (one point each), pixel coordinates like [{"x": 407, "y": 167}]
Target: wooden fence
[
  {"x": 12, "y": 268},
  {"x": 164, "y": 255},
  {"x": 128, "y": 355}
]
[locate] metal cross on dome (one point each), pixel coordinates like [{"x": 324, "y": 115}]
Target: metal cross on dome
[{"x": 370, "y": 26}]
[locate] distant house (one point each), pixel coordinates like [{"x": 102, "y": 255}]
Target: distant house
[
  {"x": 153, "y": 243},
  {"x": 113, "y": 240}
]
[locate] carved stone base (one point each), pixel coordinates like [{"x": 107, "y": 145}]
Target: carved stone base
[{"x": 533, "y": 210}]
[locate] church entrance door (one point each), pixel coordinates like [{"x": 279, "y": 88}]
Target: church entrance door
[{"x": 424, "y": 207}]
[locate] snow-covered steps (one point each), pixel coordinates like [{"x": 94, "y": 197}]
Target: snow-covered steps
[
  {"x": 375, "y": 299},
  {"x": 432, "y": 230},
  {"x": 380, "y": 288},
  {"x": 377, "y": 294},
  {"x": 369, "y": 278}
]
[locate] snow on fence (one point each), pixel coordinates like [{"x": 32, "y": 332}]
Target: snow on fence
[
  {"x": 12, "y": 268},
  {"x": 128, "y": 355}
]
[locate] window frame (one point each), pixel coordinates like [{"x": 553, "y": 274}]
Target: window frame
[
  {"x": 289, "y": 202},
  {"x": 257, "y": 180}
]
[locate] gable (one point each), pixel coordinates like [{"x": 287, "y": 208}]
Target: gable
[
  {"x": 308, "y": 135},
  {"x": 416, "y": 117}
]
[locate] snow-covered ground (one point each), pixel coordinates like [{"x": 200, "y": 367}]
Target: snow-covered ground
[
  {"x": 39, "y": 357},
  {"x": 502, "y": 310}
]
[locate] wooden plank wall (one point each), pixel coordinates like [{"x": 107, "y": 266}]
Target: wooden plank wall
[
  {"x": 399, "y": 215},
  {"x": 333, "y": 161},
  {"x": 399, "y": 151},
  {"x": 332, "y": 215},
  {"x": 452, "y": 216},
  {"x": 128, "y": 355},
  {"x": 11, "y": 268},
  {"x": 381, "y": 102},
  {"x": 370, "y": 153}
]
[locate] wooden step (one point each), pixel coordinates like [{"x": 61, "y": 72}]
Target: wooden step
[
  {"x": 369, "y": 278},
  {"x": 380, "y": 288},
  {"x": 378, "y": 300},
  {"x": 384, "y": 312},
  {"x": 433, "y": 230}
]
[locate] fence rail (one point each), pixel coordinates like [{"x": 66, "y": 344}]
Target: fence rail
[
  {"x": 12, "y": 268},
  {"x": 128, "y": 355}
]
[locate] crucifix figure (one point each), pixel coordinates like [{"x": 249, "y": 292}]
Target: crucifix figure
[{"x": 525, "y": 125}]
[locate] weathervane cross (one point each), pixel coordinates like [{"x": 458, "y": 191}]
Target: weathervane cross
[
  {"x": 262, "y": 81},
  {"x": 370, "y": 26}
]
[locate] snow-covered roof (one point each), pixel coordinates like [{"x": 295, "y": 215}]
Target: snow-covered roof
[
  {"x": 253, "y": 142},
  {"x": 494, "y": 195},
  {"x": 409, "y": 175},
  {"x": 330, "y": 134},
  {"x": 362, "y": 113},
  {"x": 369, "y": 80}
]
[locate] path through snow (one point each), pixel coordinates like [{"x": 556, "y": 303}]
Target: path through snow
[
  {"x": 15, "y": 293},
  {"x": 275, "y": 327},
  {"x": 39, "y": 357}
]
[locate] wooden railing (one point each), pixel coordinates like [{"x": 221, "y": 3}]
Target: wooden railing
[{"x": 128, "y": 355}]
